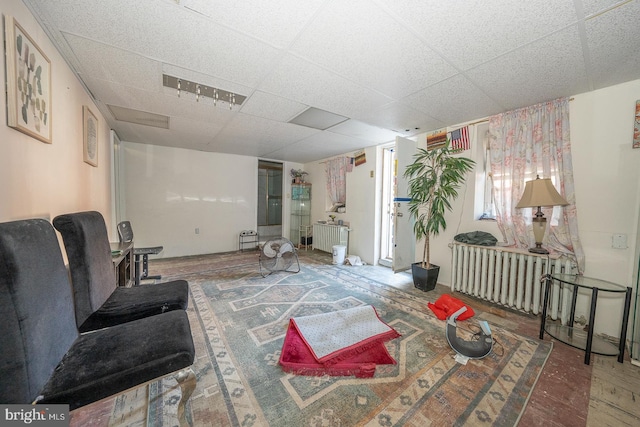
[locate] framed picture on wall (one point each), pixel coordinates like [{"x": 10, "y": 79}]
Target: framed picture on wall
[
  {"x": 28, "y": 83},
  {"x": 90, "y": 136}
]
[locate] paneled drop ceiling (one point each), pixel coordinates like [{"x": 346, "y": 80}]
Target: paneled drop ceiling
[{"x": 388, "y": 67}]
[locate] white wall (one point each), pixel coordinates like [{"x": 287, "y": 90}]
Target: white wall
[
  {"x": 45, "y": 180},
  {"x": 363, "y": 199},
  {"x": 607, "y": 177},
  {"x": 171, "y": 192}
]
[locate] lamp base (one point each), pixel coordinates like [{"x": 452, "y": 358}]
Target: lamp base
[{"x": 538, "y": 250}]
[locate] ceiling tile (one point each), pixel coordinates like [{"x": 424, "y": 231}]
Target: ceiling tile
[
  {"x": 169, "y": 32},
  {"x": 514, "y": 80},
  {"x": 363, "y": 131},
  {"x": 273, "y": 107},
  {"x": 255, "y": 131},
  {"x": 105, "y": 62},
  {"x": 400, "y": 118},
  {"x": 469, "y": 33},
  {"x": 166, "y": 138},
  {"x": 309, "y": 84},
  {"x": 592, "y": 7},
  {"x": 276, "y": 23},
  {"x": 399, "y": 65},
  {"x": 318, "y": 146},
  {"x": 614, "y": 44},
  {"x": 455, "y": 100}
]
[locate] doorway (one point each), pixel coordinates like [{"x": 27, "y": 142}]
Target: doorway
[
  {"x": 387, "y": 221},
  {"x": 269, "y": 200},
  {"x": 397, "y": 241}
]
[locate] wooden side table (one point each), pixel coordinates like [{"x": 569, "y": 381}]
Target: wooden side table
[
  {"x": 577, "y": 337},
  {"x": 122, "y": 257}
]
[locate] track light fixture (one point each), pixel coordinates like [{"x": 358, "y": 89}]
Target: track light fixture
[{"x": 202, "y": 91}]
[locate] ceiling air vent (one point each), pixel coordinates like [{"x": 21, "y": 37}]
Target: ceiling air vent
[{"x": 139, "y": 117}]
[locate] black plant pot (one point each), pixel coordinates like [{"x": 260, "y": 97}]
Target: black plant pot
[{"x": 425, "y": 279}]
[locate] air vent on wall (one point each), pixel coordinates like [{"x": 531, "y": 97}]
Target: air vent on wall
[{"x": 139, "y": 117}]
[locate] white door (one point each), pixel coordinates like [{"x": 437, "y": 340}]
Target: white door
[
  {"x": 387, "y": 213},
  {"x": 404, "y": 242}
]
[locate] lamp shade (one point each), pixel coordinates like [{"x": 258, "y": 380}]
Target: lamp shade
[{"x": 540, "y": 192}]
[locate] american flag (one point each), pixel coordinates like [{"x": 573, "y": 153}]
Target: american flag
[{"x": 460, "y": 139}]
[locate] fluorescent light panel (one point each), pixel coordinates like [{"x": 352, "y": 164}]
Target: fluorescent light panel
[
  {"x": 139, "y": 117},
  {"x": 317, "y": 119}
]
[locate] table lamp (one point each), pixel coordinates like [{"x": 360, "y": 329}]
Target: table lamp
[{"x": 537, "y": 193}]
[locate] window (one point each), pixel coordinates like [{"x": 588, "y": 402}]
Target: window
[
  {"x": 484, "y": 205},
  {"x": 489, "y": 183},
  {"x": 524, "y": 143},
  {"x": 336, "y": 174}
]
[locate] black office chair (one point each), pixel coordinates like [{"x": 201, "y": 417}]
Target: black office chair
[{"x": 125, "y": 233}]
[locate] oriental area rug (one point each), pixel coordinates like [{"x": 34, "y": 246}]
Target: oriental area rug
[{"x": 239, "y": 321}]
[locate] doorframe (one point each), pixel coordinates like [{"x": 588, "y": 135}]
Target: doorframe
[
  {"x": 386, "y": 204},
  {"x": 404, "y": 241},
  {"x": 283, "y": 190}
]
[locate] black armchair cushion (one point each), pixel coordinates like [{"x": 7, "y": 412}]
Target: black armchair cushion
[
  {"x": 41, "y": 351},
  {"x": 111, "y": 360},
  {"x": 127, "y": 304},
  {"x": 99, "y": 302}
]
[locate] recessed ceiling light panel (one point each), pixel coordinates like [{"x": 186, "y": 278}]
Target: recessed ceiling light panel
[
  {"x": 317, "y": 119},
  {"x": 139, "y": 117}
]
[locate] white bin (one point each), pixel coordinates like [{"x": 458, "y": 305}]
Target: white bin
[{"x": 339, "y": 252}]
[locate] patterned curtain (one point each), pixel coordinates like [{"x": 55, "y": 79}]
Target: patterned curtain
[
  {"x": 522, "y": 144},
  {"x": 336, "y": 172}
]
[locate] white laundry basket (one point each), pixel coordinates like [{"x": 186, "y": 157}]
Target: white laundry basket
[{"x": 339, "y": 253}]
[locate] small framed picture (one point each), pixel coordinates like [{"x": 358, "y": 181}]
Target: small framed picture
[
  {"x": 90, "y": 136},
  {"x": 28, "y": 83}
]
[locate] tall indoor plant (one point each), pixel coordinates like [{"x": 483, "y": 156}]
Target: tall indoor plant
[{"x": 434, "y": 179}]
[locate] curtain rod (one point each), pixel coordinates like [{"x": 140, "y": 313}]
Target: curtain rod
[
  {"x": 487, "y": 120},
  {"x": 336, "y": 157}
]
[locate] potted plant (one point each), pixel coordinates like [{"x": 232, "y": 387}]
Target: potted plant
[
  {"x": 434, "y": 179},
  {"x": 297, "y": 175}
]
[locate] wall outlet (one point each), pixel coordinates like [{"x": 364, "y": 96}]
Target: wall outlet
[
  {"x": 197, "y": 230},
  {"x": 619, "y": 241}
]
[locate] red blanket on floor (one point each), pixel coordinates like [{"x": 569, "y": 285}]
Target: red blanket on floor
[
  {"x": 446, "y": 305},
  {"x": 359, "y": 359}
]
